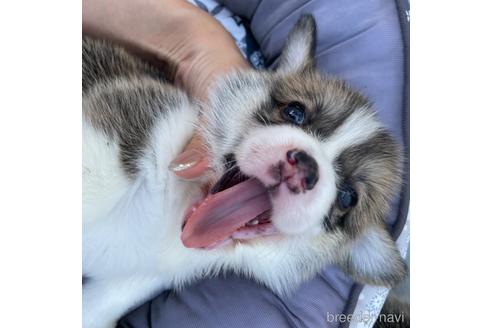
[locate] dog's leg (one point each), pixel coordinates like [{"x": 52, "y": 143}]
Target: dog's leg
[{"x": 105, "y": 302}]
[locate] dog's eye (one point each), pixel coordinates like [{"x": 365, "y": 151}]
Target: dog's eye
[
  {"x": 347, "y": 197},
  {"x": 294, "y": 113}
]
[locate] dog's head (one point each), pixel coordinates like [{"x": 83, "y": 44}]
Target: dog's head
[{"x": 299, "y": 156}]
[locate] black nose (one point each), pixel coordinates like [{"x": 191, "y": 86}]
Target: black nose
[{"x": 306, "y": 165}]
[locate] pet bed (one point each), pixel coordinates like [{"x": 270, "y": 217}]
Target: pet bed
[{"x": 365, "y": 43}]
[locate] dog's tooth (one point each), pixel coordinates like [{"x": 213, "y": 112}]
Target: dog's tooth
[{"x": 252, "y": 223}]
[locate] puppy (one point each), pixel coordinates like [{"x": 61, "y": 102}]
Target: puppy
[{"x": 302, "y": 176}]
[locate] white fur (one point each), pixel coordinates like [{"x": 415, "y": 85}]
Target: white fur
[
  {"x": 357, "y": 128},
  {"x": 129, "y": 227},
  {"x": 136, "y": 251},
  {"x": 131, "y": 241},
  {"x": 292, "y": 213},
  {"x": 264, "y": 146},
  {"x": 295, "y": 53},
  {"x": 233, "y": 110},
  {"x": 371, "y": 251},
  {"x": 103, "y": 181},
  {"x": 132, "y": 227}
]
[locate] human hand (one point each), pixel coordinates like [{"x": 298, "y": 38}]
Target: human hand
[
  {"x": 171, "y": 29},
  {"x": 210, "y": 52}
]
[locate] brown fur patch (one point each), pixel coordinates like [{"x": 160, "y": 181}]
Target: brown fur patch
[
  {"x": 123, "y": 97},
  {"x": 373, "y": 169}
]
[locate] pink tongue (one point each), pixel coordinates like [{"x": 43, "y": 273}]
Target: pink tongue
[{"x": 221, "y": 214}]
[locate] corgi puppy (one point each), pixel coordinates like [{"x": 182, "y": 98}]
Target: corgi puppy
[{"x": 303, "y": 174}]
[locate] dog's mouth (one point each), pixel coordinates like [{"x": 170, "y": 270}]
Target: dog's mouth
[{"x": 237, "y": 207}]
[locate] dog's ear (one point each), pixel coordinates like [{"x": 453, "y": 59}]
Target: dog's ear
[
  {"x": 298, "y": 52},
  {"x": 373, "y": 258}
]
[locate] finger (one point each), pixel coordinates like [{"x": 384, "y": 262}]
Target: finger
[
  {"x": 194, "y": 171},
  {"x": 192, "y": 162}
]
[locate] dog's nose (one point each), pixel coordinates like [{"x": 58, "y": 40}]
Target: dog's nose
[{"x": 306, "y": 166}]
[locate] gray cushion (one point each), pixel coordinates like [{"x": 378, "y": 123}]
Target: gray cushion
[{"x": 365, "y": 43}]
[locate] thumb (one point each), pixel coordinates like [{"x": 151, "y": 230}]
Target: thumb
[{"x": 193, "y": 162}]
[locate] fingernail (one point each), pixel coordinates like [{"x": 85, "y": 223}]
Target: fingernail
[
  {"x": 185, "y": 160},
  {"x": 197, "y": 176}
]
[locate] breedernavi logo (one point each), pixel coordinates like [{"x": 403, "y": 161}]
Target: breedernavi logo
[{"x": 365, "y": 317}]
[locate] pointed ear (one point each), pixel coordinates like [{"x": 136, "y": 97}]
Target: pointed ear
[
  {"x": 373, "y": 258},
  {"x": 298, "y": 52}
]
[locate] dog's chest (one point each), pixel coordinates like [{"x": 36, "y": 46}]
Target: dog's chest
[{"x": 135, "y": 236}]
